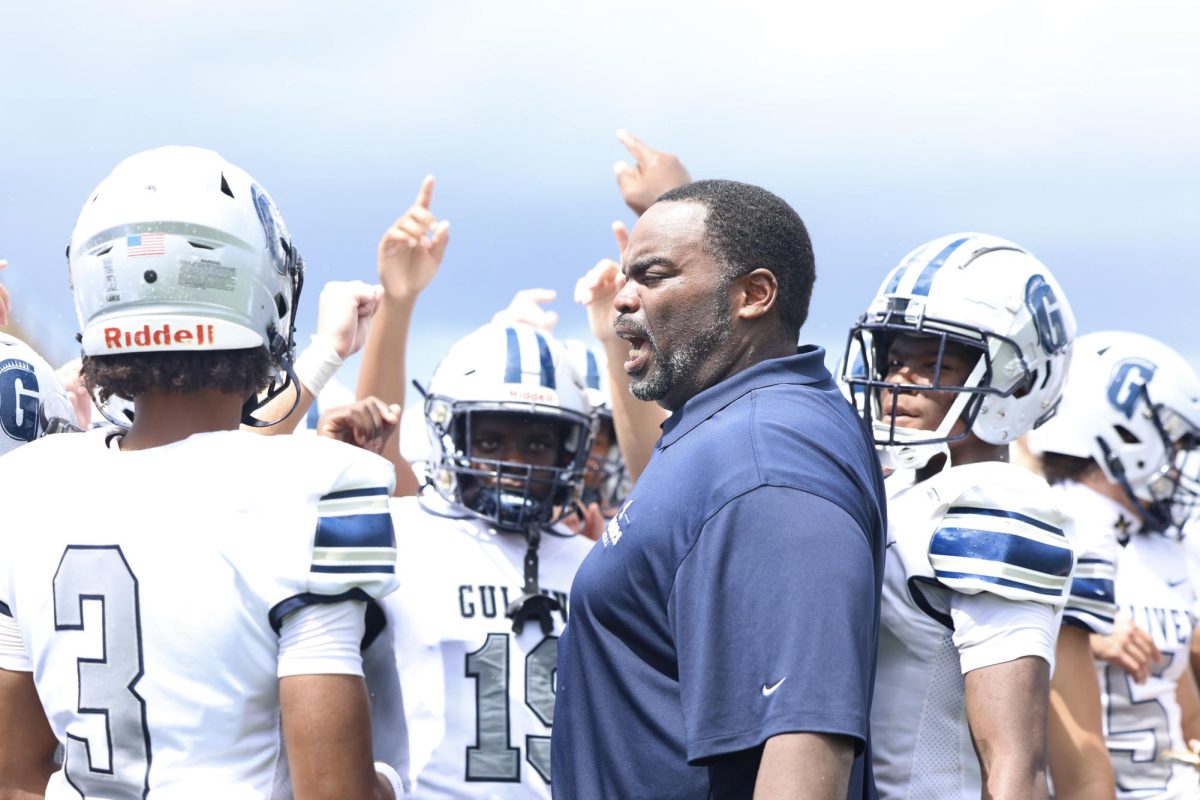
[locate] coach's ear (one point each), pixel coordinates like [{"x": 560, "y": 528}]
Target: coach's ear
[{"x": 754, "y": 294}]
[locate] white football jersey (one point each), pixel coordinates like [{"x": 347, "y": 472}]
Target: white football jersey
[
  {"x": 977, "y": 570},
  {"x": 149, "y": 586},
  {"x": 1142, "y": 721},
  {"x": 1101, "y": 526},
  {"x": 479, "y": 698}
]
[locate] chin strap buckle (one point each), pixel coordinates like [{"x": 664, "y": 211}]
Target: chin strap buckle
[{"x": 532, "y": 604}]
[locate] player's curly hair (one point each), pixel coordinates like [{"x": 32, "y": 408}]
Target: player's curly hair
[
  {"x": 1060, "y": 468},
  {"x": 241, "y": 372},
  {"x": 747, "y": 228}
]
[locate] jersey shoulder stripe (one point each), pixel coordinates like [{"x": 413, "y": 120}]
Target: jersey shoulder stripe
[
  {"x": 355, "y": 541},
  {"x": 1012, "y": 554},
  {"x": 1093, "y": 601}
]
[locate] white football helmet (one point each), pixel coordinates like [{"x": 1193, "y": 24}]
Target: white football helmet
[
  {"x": 606, "y": 481},
  {"x": 33, "y": 401},
  {"x": 983, "y": 292},
  {"x": 523, "y": 374},
  {"x": 1132, "y": 405},
  {"x": 178, "y": 249}
]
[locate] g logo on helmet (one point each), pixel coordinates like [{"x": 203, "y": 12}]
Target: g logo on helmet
[
  {"x": 1048, "y": 321},
  {"x": 1124, "y": 388},
  {"x": 269, "y": 217},
  {"x": 19, "y": 400}
]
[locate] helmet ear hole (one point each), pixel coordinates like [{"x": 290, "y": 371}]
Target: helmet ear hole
[
  {"x": 281, "y": 304},
  {"x": 1127, "y": 436},
  {"x": 225, "y": 190}
]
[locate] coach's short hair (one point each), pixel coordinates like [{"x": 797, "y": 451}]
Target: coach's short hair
[
  {"x": 747, "y": 228},
  {"x": 241, "y": 372}
]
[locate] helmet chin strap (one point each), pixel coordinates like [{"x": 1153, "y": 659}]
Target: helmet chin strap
[
  {"x": 253, "y": 404},
  {"x": 1154, "y": 518},
  {"x": 914, "y": 449},
  {"x": 532, "y": 604}
]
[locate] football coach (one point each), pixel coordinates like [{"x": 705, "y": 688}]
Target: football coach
[{"x": 723, "y": 632}]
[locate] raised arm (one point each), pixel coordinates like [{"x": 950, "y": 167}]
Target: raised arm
[
  {"x": 652, "y": 173},
  {"x": 5, "y": 303},
  {"x": 344, "y": 314},
  {"x": 636, "y": 422},
  {"x": 410, "y": 253}
]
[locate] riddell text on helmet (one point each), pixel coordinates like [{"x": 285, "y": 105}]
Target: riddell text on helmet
[{"x": 119, "y": 339}]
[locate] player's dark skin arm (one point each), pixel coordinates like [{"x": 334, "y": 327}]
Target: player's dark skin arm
[
  {"x": 1007, "y": 711},
  {"x": 27, "y": 744},
  {"x": 808, "y": 766},
  {"x": 327, "y": 731}
]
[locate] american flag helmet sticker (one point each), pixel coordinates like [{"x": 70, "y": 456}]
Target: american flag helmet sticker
[{"x": 145, "y": 244}]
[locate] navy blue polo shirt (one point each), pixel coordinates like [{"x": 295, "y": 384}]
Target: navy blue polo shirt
[{"x": 734, "y": 597}]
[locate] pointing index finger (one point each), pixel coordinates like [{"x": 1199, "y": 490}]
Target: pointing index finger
[
  {"x": 636, "y": 146},
  {"x": 425, "y": 193}
]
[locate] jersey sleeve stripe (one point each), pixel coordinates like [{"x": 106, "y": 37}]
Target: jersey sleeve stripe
[
  {"x": 369, "y": 491},
  {"x": 998, "y": 569},
  {"x": 347, "y": 569},
  {"x": 1097, "y": 589},
  {"x": 356, "y": 531},
  {"x": 1014, "y": 515},
  {"x": 961, "y": 580},
  {"x": 5, "y": 610},
  {"x": 1007, "y": 548}
]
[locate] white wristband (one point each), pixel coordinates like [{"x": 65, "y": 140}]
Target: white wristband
[
  {"x": 316, "y": 365},
  {"x": 392, "y": 777}
]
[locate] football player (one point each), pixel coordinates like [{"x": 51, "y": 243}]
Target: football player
[
  {"x": 484, "y": 597},
  {"x": 606, "y": 484},
  {"x": 963, "y": 349},
  {"x": 32, "y": 400},
  {"x": 200, "y": 600},
  {"x": 1119, "y": 454}
]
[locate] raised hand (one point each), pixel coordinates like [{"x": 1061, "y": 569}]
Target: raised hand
[
  {"x": 653, "y": 173},
  {"x": 597, "y": 288},
  {"x": 5, "y": 303},
  {"x": 411, "y": 250},
  {"x": 526, "y": 308},
  {"x": 344, "y": 314},
  {"x": 365, "y": 423},
  {"x": 81, "y": 400}
]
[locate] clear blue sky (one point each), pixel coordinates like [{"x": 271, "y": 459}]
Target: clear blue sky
[{"x": 1071, "y": 127}]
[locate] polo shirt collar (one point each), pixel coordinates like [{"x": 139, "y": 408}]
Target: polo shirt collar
[{"x": 806, "y": 367}]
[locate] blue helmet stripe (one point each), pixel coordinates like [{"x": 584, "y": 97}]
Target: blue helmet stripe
[
  {"x": 926, "y": 278},
  {"x": 593, "y": 371},
  {"x": 512, "y": 367},
  {"x": 547, "y": 361},
  {"x": 894, "y": 281}
]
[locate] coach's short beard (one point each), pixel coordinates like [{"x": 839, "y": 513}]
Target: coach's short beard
[{"x": 713, "y": 328}]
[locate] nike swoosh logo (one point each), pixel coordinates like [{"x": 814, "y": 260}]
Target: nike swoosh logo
[
  {"x": 770, "y": 690},
  {"x": 1173, "y": 584}
]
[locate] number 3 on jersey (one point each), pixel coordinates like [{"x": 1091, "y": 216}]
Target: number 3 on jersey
[
  {"x": 493, "y": 758},
  {"x": 96, "y": 594}
]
